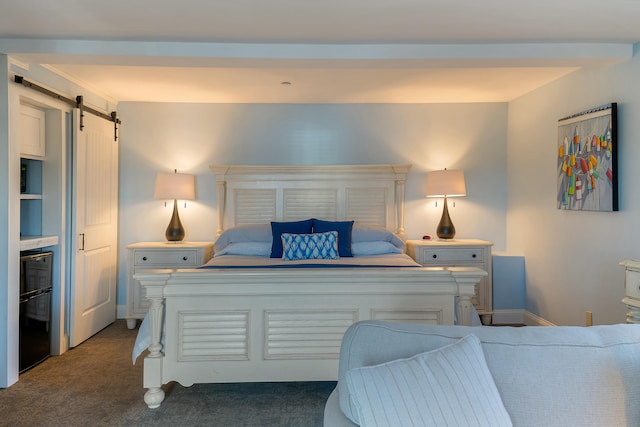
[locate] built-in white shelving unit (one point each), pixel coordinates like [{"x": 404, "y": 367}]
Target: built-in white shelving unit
[{"x": 32, "y": 162}]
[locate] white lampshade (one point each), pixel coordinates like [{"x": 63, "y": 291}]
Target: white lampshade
[
  {"x": 449, "y": 183},
  {"x": 180, "y": 186}
]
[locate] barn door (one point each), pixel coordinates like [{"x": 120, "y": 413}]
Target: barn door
[{"x": 94, "y": 227}]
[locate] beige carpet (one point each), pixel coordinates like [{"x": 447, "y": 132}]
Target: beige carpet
[{"x": 95, "y": 384}]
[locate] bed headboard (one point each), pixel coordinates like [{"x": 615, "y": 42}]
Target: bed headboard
[{"x": 254, "y": 194}]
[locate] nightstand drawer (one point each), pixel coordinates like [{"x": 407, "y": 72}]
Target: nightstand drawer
[
  {"x": 633, "y": 284},
  {"x": 164, "y": 258},
  {"x": 439, "y": 256}
]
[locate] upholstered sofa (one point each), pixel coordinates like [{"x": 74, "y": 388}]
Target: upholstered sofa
[{"x": 401, "y": 374}]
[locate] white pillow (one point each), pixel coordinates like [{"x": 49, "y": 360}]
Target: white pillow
[
  {"x": 449, "y": 386},
  {"x": 246, "y": 248},
  {"x": 377, "y": 247},
  {"x": 367, "y": 233},
  {"x": 243, "y": 233}
]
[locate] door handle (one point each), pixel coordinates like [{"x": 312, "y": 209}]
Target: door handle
[{"x": 81, "y": 245}]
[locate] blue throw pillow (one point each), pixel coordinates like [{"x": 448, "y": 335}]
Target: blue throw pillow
[
  {"x": 293, "y": 227},
  {"x": 310, "y": 246},
  {"x": 344, "y": 233}
]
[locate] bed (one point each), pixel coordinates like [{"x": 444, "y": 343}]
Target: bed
[{"x": 249, "y": 317}]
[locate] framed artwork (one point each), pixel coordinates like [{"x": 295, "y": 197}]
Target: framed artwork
[{"x": 588, "y": 160}]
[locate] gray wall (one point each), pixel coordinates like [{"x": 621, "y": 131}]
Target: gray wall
[
  {"x": 190, "y": 137},
  {"x": 572, "y": 256}
]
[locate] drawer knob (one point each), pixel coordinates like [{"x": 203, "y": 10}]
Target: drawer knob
[
  {"x": 184, "y": 258},
  {"x": 435, "y": 256},
  {"x": 473, "y": 256},
  {"x": 144, "y": 258}
]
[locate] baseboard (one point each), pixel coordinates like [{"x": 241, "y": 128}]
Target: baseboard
[
  {"x": 508, "y": 317},
  {"x": 518, "y": 317},
  {"x": 121, "y": 311},
  {"x": 531, "y": 319}
]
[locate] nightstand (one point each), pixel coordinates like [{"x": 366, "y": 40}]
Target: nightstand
[
  {"x": 632, "y": 290},
  {"x": 150, "y": 255},
  {"x": 459, "y": 253}
]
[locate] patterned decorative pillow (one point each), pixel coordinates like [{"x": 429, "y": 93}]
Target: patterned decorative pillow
[{"x": 310, "y": 246}]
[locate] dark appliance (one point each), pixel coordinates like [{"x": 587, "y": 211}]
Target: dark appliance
[
  {"x": 23, "y": 177},
  {"x": 35, "y": 308}
]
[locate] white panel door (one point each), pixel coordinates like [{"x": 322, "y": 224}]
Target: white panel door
[{"x": 94, "y": 227}]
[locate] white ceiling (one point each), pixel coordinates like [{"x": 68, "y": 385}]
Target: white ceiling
[{"x": 330, "y": 51}]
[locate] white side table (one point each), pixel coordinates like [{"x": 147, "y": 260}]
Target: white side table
[
  {"x": 459, "y": 253},
  {"x": 149, "y": 255}
]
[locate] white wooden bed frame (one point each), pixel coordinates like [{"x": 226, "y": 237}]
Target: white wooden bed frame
[{"x": 258, "y": 325}]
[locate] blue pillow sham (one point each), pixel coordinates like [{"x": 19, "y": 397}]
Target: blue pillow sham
[
  {"x": 291, "y": 227},
  {"x": 343, "y": 228},
  {"x": 353, "y": 239}
]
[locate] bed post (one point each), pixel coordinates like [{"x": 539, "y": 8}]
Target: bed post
[
  {"x": 221, "y": 189},
  {"x": 222, "y": 197},
  {"x": 154, "y": 286},
  {"x": 466, "y": 281},
  {"x": 400, "y": 189},
  {"x": 400, "y": 186}
]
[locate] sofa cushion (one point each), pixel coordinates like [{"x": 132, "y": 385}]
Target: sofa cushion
[
  {"x": 551, "y": 376},
  {"x": 448, "y": 386}
]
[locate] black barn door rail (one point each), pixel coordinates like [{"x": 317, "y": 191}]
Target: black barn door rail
[{"x": 76, "y": 103}]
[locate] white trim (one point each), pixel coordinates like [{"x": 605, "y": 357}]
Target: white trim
[
  {"x": 531, "y": 319},
  {"x": 81, "y": 83},
  {"x": 17, "y": 63},
  {"x": 211, "y": 54}
]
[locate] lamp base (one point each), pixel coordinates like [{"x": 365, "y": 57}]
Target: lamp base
[
  {"x": 175, "y": 230},
  {"x": 445, "y": 229}
]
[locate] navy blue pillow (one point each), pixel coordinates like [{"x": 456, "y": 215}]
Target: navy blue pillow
[
  {"x": 293, "y": 227},
  {"x": 344, "y": 233}
]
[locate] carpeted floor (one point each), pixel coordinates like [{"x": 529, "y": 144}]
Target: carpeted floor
[{"x": 95, "y": 384}]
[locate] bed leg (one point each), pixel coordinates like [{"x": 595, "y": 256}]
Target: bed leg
[
  {"x": 153, "y": 362},
  {"x": 154, "y": 397},
  {"x": 153, "y": 382}
]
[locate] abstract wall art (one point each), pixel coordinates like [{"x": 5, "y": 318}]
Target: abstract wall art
[{"x": 588, "y": 160}]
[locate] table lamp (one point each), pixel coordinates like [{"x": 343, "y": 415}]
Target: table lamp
[
  {"x": 176, "y": 186},
  {"x": 446, "y": 183}
]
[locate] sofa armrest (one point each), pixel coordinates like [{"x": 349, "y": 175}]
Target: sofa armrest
[{"x": 333, "y": 416}]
